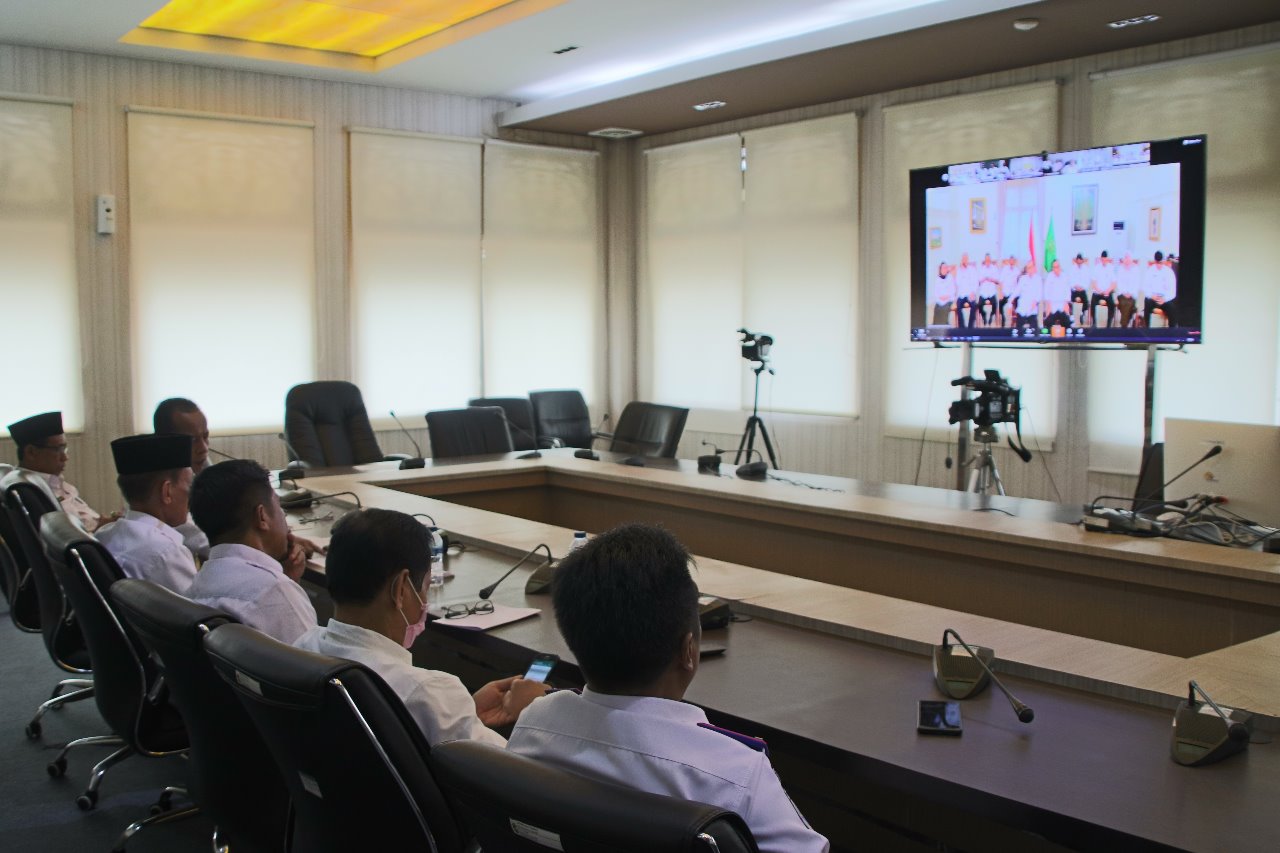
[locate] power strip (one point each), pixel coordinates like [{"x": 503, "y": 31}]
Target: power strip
[{"x": 1105, "y": 519}]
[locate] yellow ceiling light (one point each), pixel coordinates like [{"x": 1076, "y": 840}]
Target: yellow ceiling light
[{"x": 367, "y": 35}]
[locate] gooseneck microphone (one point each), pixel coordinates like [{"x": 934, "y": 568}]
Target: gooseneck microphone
[
  {"x": 1024, "y": 712},
  {"x": 297, "y": 468},
  {"x": 488, "y": 590},
  {"x": 532, "y": 454},
  {"x": 307, "y": 499},
  {"x": 417, "y": 461},
  {"x": 216, "y": 452},
  {"x": 1213, "y": 451}
]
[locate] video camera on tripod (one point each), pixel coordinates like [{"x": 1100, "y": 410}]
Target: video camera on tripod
[
  {"x": 756, "y": 347},
  {"x": 997, "y": 402}
]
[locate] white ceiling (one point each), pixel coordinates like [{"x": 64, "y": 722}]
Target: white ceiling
[{"x": 624, "y": 46}]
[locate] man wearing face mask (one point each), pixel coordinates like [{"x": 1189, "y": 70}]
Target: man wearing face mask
[
  {"x": 234, "y": 504},
  {"x": 377, "y": 570}
]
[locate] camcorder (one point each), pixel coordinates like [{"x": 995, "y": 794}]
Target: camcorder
[
  {"x": 997, "y": 402},
  {"x": 755, "y": 347}
]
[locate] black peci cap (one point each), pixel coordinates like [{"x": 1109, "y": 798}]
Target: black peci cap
[
  {"x": 142, "y": 454},
  {"x": 36, "y": 428}
]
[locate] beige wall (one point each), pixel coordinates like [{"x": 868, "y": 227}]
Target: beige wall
[{"x": 101, "y": 87}]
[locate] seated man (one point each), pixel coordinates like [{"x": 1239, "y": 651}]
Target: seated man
[
  {"x": 42, "y": 449},
  {"x": 180, "y": 416},
  {"x": 628, "y": 609},
  {"x": 234, "y": 504},
  {"x": 377, "y": 569},
  {"x": 155, "y": 479}
]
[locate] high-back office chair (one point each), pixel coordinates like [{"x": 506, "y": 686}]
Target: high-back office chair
[
  {"x": 127, "y": 686},
  {"x": 326, "y": 426},
  {"x": 24, "y": 601},
  {"x": 352, "y": 757},
  {"x": 503, "y": 797},
  {"x": 233, "y": 777},
  {"x": 1150, "y": 491},
  {"x": 25, "y": 505},
  {"x": 519, "y": 412},
  {"x": 468, "y": 432},
  {"x": 562, "y": 415},
  {"x": 649, "y": 429}
]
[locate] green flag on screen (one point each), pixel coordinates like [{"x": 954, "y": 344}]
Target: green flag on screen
[{"x": 1050, "y": 248}]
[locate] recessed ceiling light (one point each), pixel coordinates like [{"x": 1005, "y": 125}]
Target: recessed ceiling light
[
  {"x": 1024, "y": 25},
  {"x": 1133, "y": 22},
  {"x": 565, "y": 49},
  {"x": 615, "y": 132},
  {"x": 709, "y": 105}
]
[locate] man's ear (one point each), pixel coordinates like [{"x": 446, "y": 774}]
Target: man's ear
[
  {"x": 262, "y": 517},
  {"x": 166, "y": 491},
  {"x": 689, "y": 652}
]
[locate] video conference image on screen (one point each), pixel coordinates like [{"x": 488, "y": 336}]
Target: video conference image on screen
[{"x": 1082, "y": 245}]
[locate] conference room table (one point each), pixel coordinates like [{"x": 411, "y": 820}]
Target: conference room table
[{"x": 843, "y": 588}]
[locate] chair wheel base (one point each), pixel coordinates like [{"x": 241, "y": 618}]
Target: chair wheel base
[
  {"x": 33, "y": 731},
  {"x": 57, "y": 769},
  {"x": 87, "y": 801}
]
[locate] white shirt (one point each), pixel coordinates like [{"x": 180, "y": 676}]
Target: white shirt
[
  {"x": 1104, "y": 277},
  {"x": 68, "y": 496},
  {"x": 966, "y": 280},
  {"x": 988, "y": 280},
  {"x": 944, "y": 289},
  {"x": 437, "y": 700},
  {"x": 1161, "y": 283},
  {"x": 147, "y": 548},
  {"x": 1057, "y": 292},
  {"x": 1080, "y": 275},
  {"x": 193, "y": 537},
  {"x": 252, "y": 587},
  {"x": 656, "y": 745},
  {"x": 1028, "y": 291},
  {"x": 1128, "y": 279}
]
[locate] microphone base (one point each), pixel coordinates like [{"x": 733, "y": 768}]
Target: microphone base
[
  {"x": 412, "y": 463},
  {"x": 957, "y": 673},
  {"x": 1201, "y": 738},
  {"x": 533, "y": 454}
]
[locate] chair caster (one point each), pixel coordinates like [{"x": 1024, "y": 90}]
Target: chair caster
[
  {"x": 162, "y": 805},
  {"x": 34, "y": 730},
  {"x": 57, "y": 768},
  {"x": 87, "y": 801}
]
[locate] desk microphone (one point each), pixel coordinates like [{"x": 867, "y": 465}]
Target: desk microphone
[
  {"x": 532, "y": 454},
  {"x": 298, "y": 470},
  {"x": 1200, "y": 737},
  {"x": 488, "y": 590},
  {"x": 307, "y": 499},
  {"x": 1213, "y": 451},
  {"x": 952, "y": 679},
  {"x": 417, "y": 461}
]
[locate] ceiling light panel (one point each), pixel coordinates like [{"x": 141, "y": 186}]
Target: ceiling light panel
[{"x": 368, "y": 28}]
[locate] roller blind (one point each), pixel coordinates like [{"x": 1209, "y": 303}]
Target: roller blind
[
  {"x": 415, "y": 271},
  {"x": 1233, "y": 376},
  {"x": 41, "y": 369},
  {"x": 758, "y": 230},
  {"x": 801, "y": 256},
  {"x": 222, "y": 227},
  {"x": 542, "y": 278},
  {"x": 693, "y": 294},
  {"x": 963, "y": 128}
]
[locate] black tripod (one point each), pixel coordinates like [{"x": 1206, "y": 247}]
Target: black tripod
[{"x": 747, "y": 444}]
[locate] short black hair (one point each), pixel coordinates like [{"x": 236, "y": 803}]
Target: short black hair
[
  {"x": 624, "y": 603},
  {"x": 162, "y": 420},
  {"x": 371, "y": 546},
  {"x": 225, "y": 496},
  {"x": 136, "y": 488}
]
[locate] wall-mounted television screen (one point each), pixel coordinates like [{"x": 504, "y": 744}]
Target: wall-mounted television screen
[{"x": 1102, "y": 245}]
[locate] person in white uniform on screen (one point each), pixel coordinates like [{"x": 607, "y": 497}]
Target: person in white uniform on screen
[
  {"x": 1055, "y": 305},
  {"x": 42, "y": 449},
  {"x": 154, "y": 475},
  {"x": 235, "y": 506},
  {"x": 628, "y": 609},
  {"x": 966, "y": 292},
  {"x": 1104, "y": 290},
  {"x": 1025, "y": 299},
  {"x": 1010, "y": 270},
  {"x": 988, "y": 291},
  {"x": 1160, "y": 287},
  {"x": 1128, "y": 287},
  {"x": 1081, "y": 277},
  {"x": 942, "y": 300},
  {"x": 377, "y": 570}
]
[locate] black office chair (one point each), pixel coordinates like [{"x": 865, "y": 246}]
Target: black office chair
[
  {"x": 1150, "y": 492},
  {"x": 648, "y": 429},
  {"x": 233, "y": 777},
  {"x": 130, "y": 693},
  {"x": 504, "y": 799},
  {"x": 20, "y": 586},
  {"x": 326, "y": 426},
  {"x": 519, "y": 412},
  {"x": 352, "y": 757},
  {"x": 24, "y": 505},
  {"x": 562, "y": 415},
  {"x": 468, "y": 432}
]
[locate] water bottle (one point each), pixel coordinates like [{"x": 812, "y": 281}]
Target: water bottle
[
  {"x": 579, "y": 539},
  {"x": 437, "y": 561}
]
